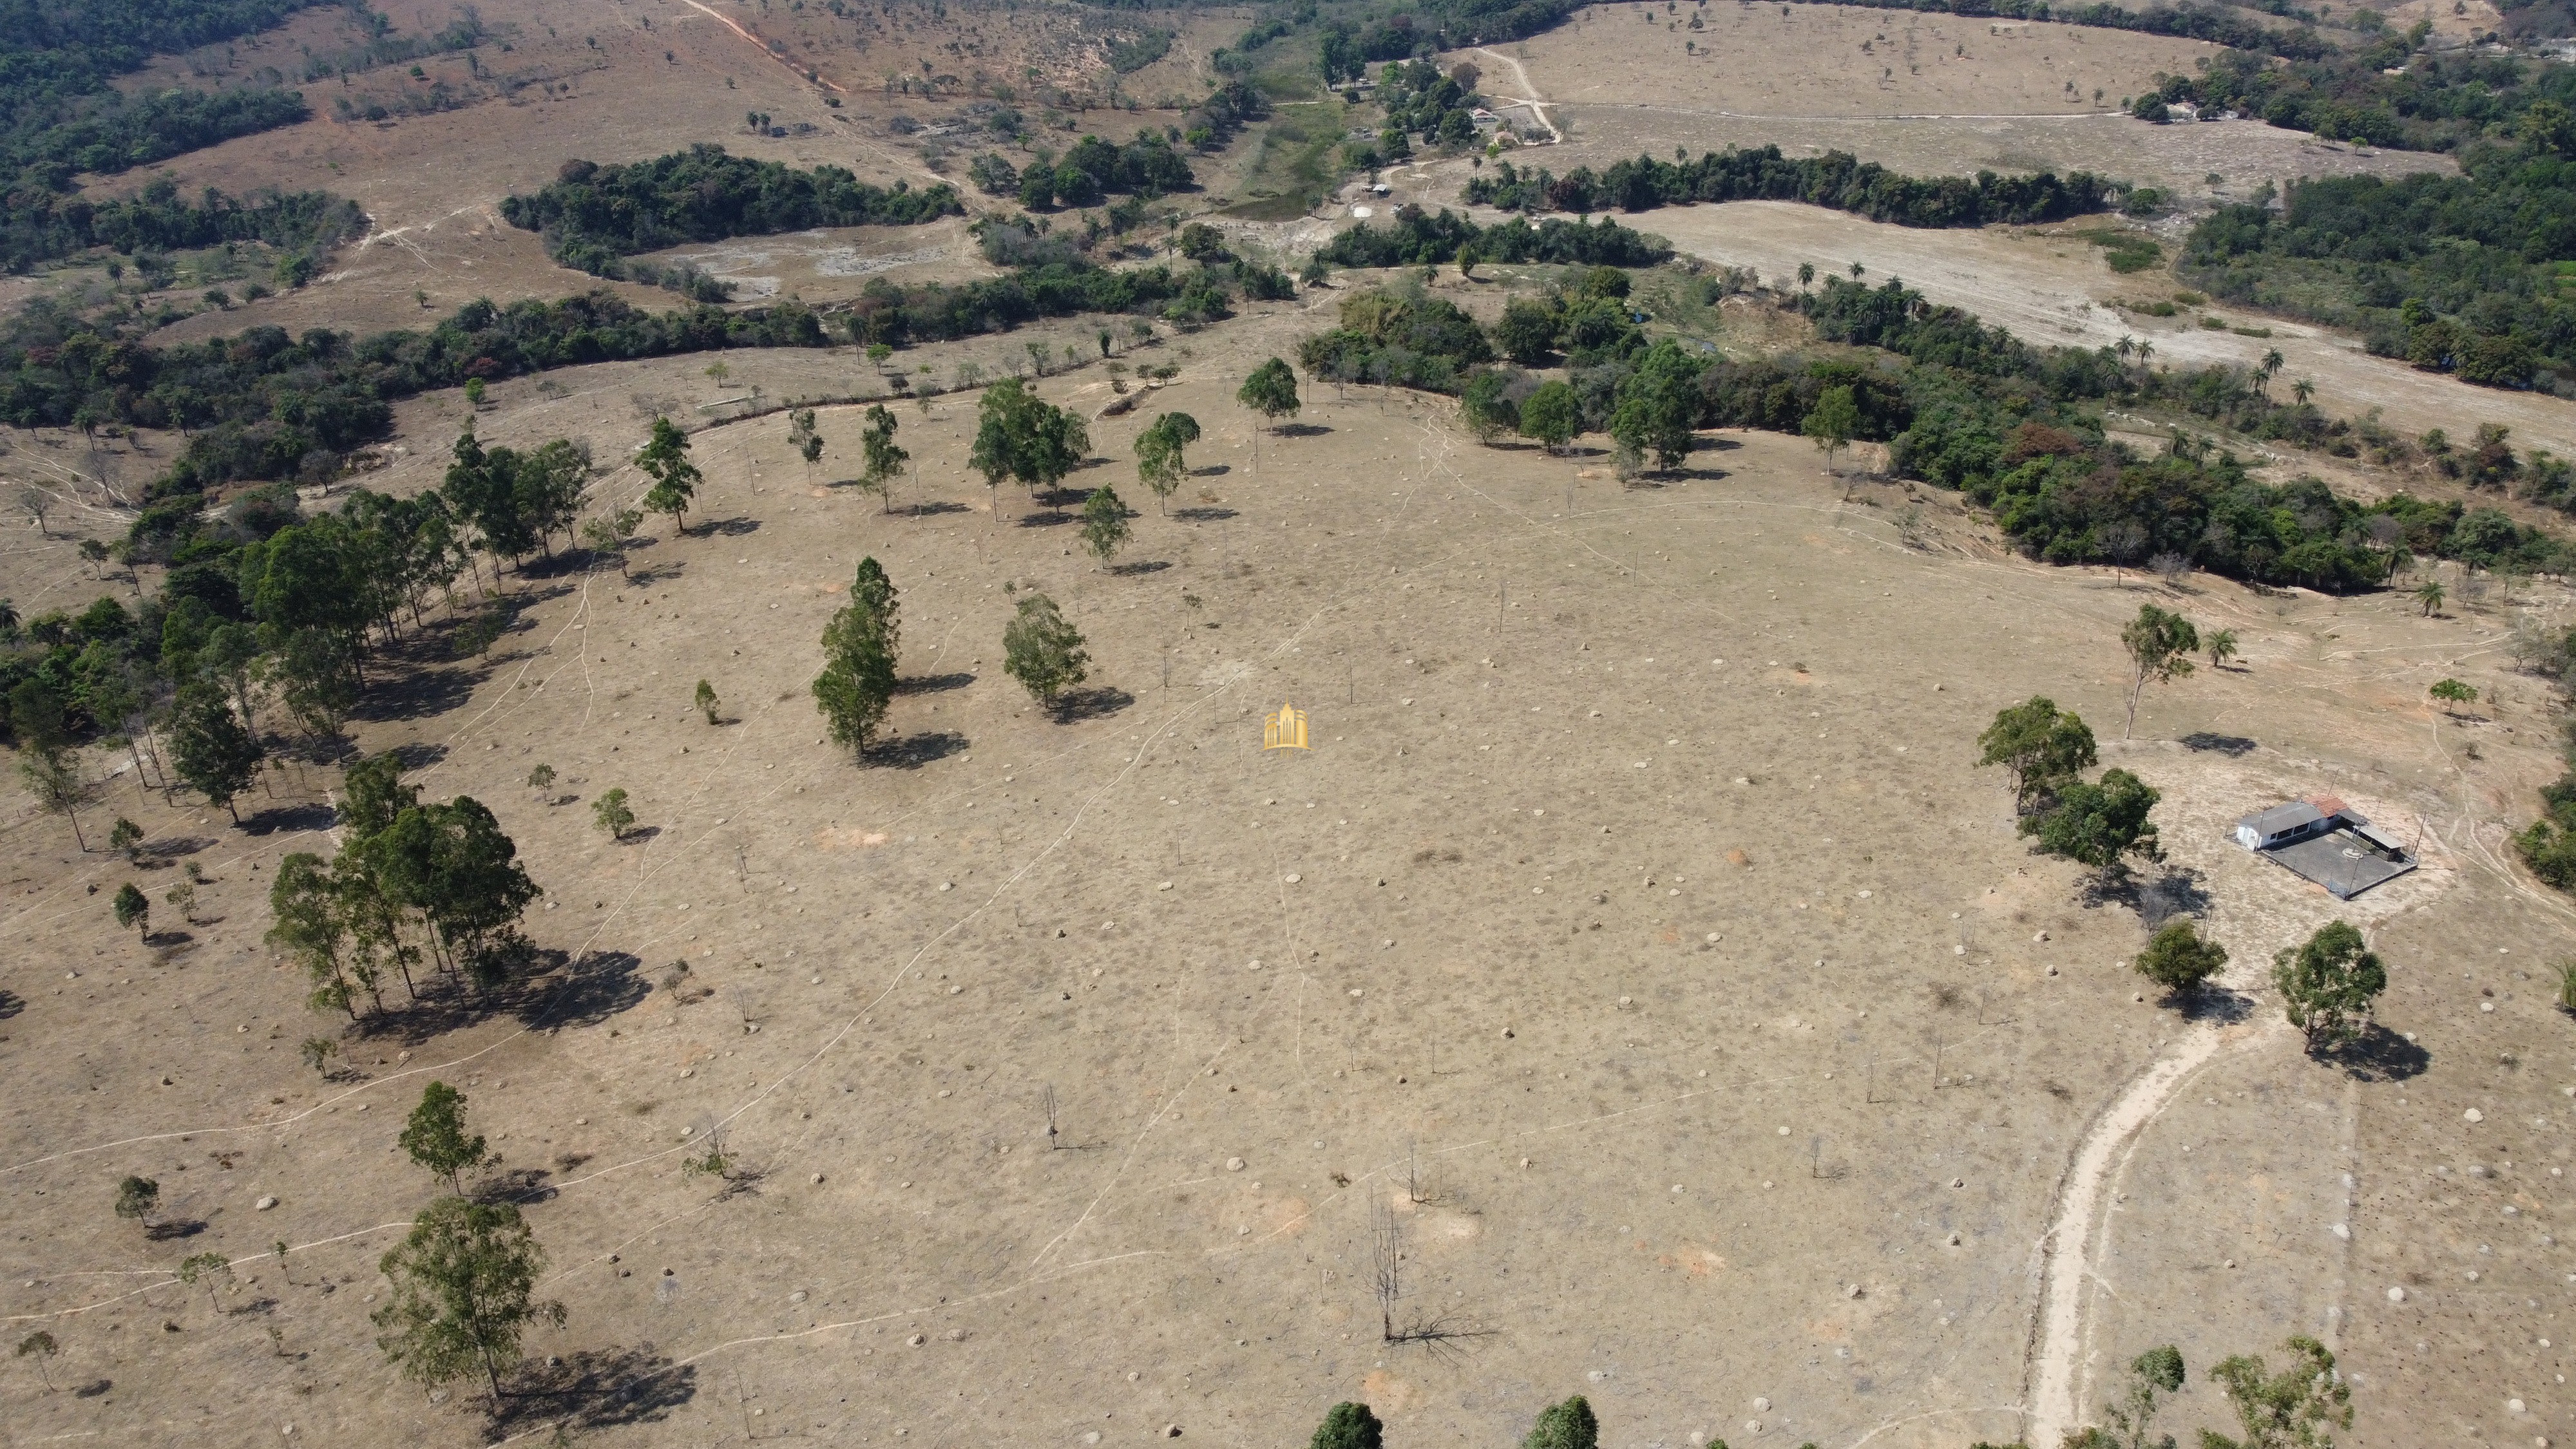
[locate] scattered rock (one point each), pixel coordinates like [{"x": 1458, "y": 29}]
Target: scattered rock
[
  {"x": 956, "y": 1335},
  {"x": 1171, "y": 1431},
  {"x": 1234, "y": 1164},
  {"x": 1762, "y": 1406},
  {"x": 2396, "y": 1295},
  {"x": 796, "y": 1297},
  {"x": 2473, "y": 1115},
  {"x": 264, "y": 1204},
  {"x": 916, "y": 1341},
  {"x": 1293, "y": 877}
]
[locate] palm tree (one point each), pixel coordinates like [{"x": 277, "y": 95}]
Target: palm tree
[
  {"x": 2127, "y": 345},
  {"x": 2304, "y": 389},
  {"x": 2146, "y": 350},
  {"x": 2429, "y": 594},
  {"x": 2272, "y": 361}
]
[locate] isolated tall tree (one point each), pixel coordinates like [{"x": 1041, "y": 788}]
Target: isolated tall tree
[
  {"x": 802, "y": 436},
  {"x": 2044, "y": 747},
  {"x": 1042, "y": 650},
  {"x": 2328, "y": 984},
  {"x": 1161, "y": 461},
  {"x": 2179, "y": 959},
  {"x": 312, "y": 927},
  {"x": 53, "y": 776},
  {"x": 40, "y": 1346},
  {"x": 665, "y": 460},
  {"x": 1348, "y": 1426},
  {"x": 2288, "y": 1410},
  {"x": 613, "y": 533},
  {"x": 1832, "y": 423},
  {"x": 133, "y": 909},
  {"x": 210, "y": 748},
  {"x": 464, "y": 1291},
  {"x": 436, "y": 1138},
  {"x": 1019, "y": 436},
  {"x": 2160, "y": 645},
  {"x": 2100, "y": 825},
  {"x": 860, "y": 646},
  {"x": 1104, "y": 523},
  {"x": 137, "y": 1198},
  {"x": 611, "y": 813},
  {"x": 1568, "y": 1425},
  {"x": 1658, "y": 405},
  {"x": 883, "y": 460},
  {"x": 1271, "y": 391},
  {"x": 1486, "y": 410}
]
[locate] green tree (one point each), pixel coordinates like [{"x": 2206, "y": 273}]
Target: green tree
[
  {"x": 125, "y": 838},
  {"x": 2221, "y": 644},
  {"x": 665, "y": 460},
  {"x": 133, "y": 909},
  {"x": 1161, "y": 461},
  {"x": 1486, "y": 409},
  {"x": 2152, "y": 1374},
  {"x": 373, "y": 793},
  {"x": 2328, "y": 984},
  {"x": 1551, "y": 415},
  {"x": 315, "y": 672},
  {"x": 455, "y": 866},
  {"x": 474, "y": 392},
  {"x": 2429, "y": 594},
  {"x": 2044, "y": 747},
  {"x": 1271, "y": 391},
  {"x": 1019, "y": 436},
  {"x": 318, "y": 1052},
  {"x": 542, "y": 779},
  {"x": 1568, "y": 1425},
  {"x": 2292, "y": 1409},
  {"x": 209, "y": 747},
  {"x": 54, "y": 778},
  {"x": 1348, "y": 1426},
  {"x": 1104, "y": 523},
  {"x": 612, "y": 814},
  {"x": 860, "y": 645},
  {"x": 464, "y": 1285},
  {"x": 2160, "y": 645},
  {"x": 801, "y": 435},
  {"x": 40, "y": 1346},
  {"x": 705, "y": 700},
  {"x": 884, "y": 461},
  {"x": 1832, "y": 422},
  {"x": 310, "y": 925},
  {"x": 613, "y": 533},
  {"x": 2101, "y": 824},
  {"x": 2179, "y": 959},
  {"x": 2452, "y": 692},
  {"x": 1658, "y": 406},
  {"x": 137, "y": 1198},
  {"x": 1527, "y": 332},
  {"x": 1042, "y": 650},
  {"x": 212, "y": 1269},
  {"x": 436, "y": 1138}
]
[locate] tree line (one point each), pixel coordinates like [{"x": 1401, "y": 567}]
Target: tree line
[
  {"x": 1836, "y": 180},
  {"x": 1091, "y": 171},
  {"x": 1413, "y": 237},
  {"x": 300, "y": 228},
  {"x": 2390, "y": 92},
  {"x": 2454, "y": 274},
  {"x": 591, "y": 215},
  {"x": 2225, "y": 25}
]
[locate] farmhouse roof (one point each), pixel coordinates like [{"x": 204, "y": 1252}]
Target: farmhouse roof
[{"x": 2283, "y": 817}]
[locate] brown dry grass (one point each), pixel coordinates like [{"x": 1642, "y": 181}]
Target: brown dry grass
[{"x": 1510, "y": 666}]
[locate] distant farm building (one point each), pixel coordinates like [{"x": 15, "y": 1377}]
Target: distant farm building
[{"x": 2328, "y": 842}]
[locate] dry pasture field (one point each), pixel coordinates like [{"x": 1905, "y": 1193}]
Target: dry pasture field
[{"x": 1737, "y": 1067}]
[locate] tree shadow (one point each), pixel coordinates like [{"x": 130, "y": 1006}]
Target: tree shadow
[
  {"x": 600, "y": 985},
  {"x": 174, "y": 1231},
  {"x": 555, "y": 566},
  {"x": 312, "y": 815},
  {"x": 1203, "y": 515},
  {"x": 2215, "y": 1004},
  {"x": 1046, "y": 519},
  {"x": 418, "y": 755},
  {"x": 1096, "y": 703},
  {"x": 931, "y": 510},
  {"x": 11, "y": 1003},
  {"x": 638, "y": 834},
  {"x": 1300, "y": 430},
  {"x": 161, "y": 854},
  {"x": 1211, "y": 470},
  {"x": 1140, "y": 567},
  {"x": 2232, "y": 746},
  {"x": 164, "y": 940},
  {"x": 93, "y": 1388},
  {"x": 2175, "y": 893},
  {"x": 911, "y": 752},
  {"x": 520, "y": 1185},
  {"x": 416, "y": 694},
  {"x": 2381, "y": 1055},
  {"x": 1059, "y": 497},
  {"x": 728, "y": 527},
  {"x": 934, "y": 683},
  {"x": 592, "y": 1389}
]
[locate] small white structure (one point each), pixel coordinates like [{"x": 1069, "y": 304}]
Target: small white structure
[{"x": 2282, "y": 825}]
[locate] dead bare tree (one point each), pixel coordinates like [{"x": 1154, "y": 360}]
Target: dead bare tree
[{"x": 1386, "y": 1265}]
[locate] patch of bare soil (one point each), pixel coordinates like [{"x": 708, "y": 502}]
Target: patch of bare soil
[{"x": 1728, "y": 1070}]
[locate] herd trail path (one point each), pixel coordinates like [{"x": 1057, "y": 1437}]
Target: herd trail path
[{"x": 2079, "y": 1230}]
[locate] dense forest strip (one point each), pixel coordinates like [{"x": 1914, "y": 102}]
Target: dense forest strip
[
  {"x": 592, "y": 216},
  {"x": 1836, "y": 179},
  {"x": 301, "y": 228}
]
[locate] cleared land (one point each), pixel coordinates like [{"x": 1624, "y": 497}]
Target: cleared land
[{"x": 1647, "y": 759}]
